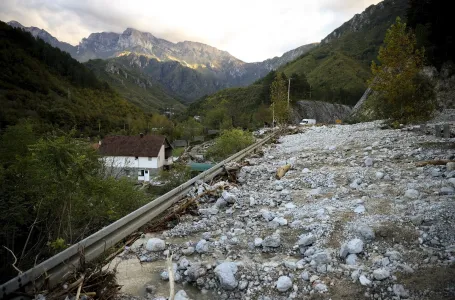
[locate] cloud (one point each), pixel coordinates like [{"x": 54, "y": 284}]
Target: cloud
[{"x": 251, "y": 30}]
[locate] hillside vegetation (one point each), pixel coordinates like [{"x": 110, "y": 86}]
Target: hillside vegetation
[
  {"x": 339, "y": 68},
  {"x": 43, "y": 83}
]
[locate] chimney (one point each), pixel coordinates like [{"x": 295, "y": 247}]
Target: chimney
[{"x": 141, "y": 135}]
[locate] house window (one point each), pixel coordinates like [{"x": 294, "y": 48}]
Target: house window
[
  {"x": 150, "y": 159},
  {"x": 140, "y": 173}
]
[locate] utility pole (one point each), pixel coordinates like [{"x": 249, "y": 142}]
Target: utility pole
[
  {"x": 310, "y": 91},
  {"x": 273, "y": 115}
]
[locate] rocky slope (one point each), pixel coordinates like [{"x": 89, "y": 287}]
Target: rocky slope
[
  {"x": 323, "y": 112},
  {"x": 354, "y": 218}
]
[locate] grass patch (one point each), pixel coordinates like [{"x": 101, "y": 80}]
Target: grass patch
[
  {"x": 396, "y": 233},
  {"x": 176, "y": 152}
]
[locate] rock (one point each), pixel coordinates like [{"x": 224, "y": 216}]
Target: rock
[
  {"x": 322, "y": 257},
  {"x": 202, "y": 246},
  {"x": 283, "y": 283},
  {"x": 381, "y": 274},
  {"x": 220, "y": 203},
  {"x": 368, "y": 162},
  {"x": 450, "y": 166},
  {"x": 305, "y": 276},
  {"x": 226, "y": 275},
  {"x": 379, "y": 175},
  {"x": 243, "y": 284},
  {"x": 321, "y": 288},
  {"x": 306, "y": 240},
  {"x": 181, "y": 295},
  {"x": 278, "y": 188},
  {"x": 208, "y": 211},
  {"x": 195, "y": 271},
  {"x": 344, "y": 250},
  {"x": 188, "y": 251},
  {"x": 164, "y": 275},
  {"x": 351, "y": 259},
  {"x": 305, "y": 170},
  {"x": 314, "y": 278},
  {"x": 273, "y": 241},
  {"x": 257, "y": 242},
  {"x": 411, "y": 194},
  {"x": 366, "y": 232},
  {"x": 452, "y": 181},
  {"x": 230, "y": 198},
  {"x": 364, "y": 281},
  {"x": 252, "y": 201},
  {"x": 355, "y": 246},
  {"x": 280, "y": 220},
  {"x": 290, "y": 205},
  {"x": 393, "y": 255},
  {"x": 155, "y": 245},
  {"x": 416, "y": 220},
  {"x": 400, "y": 291},
  {"x": 447, "y": 191},
  {"x": 267, "y": 215},
  {"x": 360, "y": 209}
]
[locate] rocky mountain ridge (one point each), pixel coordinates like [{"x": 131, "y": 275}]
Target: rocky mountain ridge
[{"x": 219, "y": 68}]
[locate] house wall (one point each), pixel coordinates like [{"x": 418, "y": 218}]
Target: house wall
[{"x": 139, "y": 163}]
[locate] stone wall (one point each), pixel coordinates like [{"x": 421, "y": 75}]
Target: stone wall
[{"x": 323, "y": 112}]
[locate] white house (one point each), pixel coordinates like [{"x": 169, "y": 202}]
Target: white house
[{"x": 132, "y": 156}]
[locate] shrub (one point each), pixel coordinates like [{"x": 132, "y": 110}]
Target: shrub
[{"x": 229, "y": 142}]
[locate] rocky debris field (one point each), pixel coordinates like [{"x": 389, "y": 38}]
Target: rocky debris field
[{"x": 354, "y": 218}]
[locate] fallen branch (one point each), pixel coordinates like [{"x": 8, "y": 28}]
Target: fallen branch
[
  {"x": 282, "y": 171},
  {"x": 170, "y": 271},
  {"x": 433, "y": 162},
  {"x": 15, "y": 260},
  {"x": 78, "y": 293}
]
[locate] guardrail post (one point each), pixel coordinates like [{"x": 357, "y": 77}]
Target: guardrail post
[
  {"x": 446, "y": 131},
  {"x": 437, "y": 130}
]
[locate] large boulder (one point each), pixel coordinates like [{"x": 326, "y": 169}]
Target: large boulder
[
  {"x": 226, "y": 275},
  {"x": 155, "y": 245}
]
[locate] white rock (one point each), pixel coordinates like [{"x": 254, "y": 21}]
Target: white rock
[
  {"x": 226, "y": 275},
  {"x": 181, "y": 295},
  {"x": 280, "y": 220},
  {"x": 305, "y": 170},
  {"x": 306, "y": 240},
  {"x": 290, "y": 205},
  {"x": 202, "y": 246},
  {"x": 411, "y": 194},
  {"x": 305, "y": 276},
  {"x": 230, "y": 198},
  {"x": 155, "y": 245},
  {"x": 379, "y": 175},
  {"x": 273, "y": 241},
  {"x": 321, "y": 288},
  {"x": 450, "y": 166},
  {"x": 252, "y": 201},
  {"x": 360, "y": 209},
  {"x": 257, "y": 242},
  {"x": 381, "y": 274},
  {"x": 364, "y": 281},
  {"x": 446, "y": 190},
  {"x": 369, "y": 162},
  {"x": 351, "y": 259},
  {"x": 366, "y": 232},
  {"x": 355, "y": 246},
  {"x": 283, "y": 283},
  {"x": 452, "y": 181},
  {"x": 400, "y": 291}
]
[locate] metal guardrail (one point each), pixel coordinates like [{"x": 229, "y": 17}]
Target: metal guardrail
[{"x": 58, "y": 266}]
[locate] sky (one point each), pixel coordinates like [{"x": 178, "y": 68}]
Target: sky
[{"x": 251, "y": 30}]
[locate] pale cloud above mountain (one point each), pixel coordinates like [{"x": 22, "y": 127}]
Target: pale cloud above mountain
[{"x": 250, "y": 30}]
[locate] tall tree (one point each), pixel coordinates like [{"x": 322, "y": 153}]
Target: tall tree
[
  {"x": 300, "y": 88},
  {"x": 278, "y": 96},
  {"x": 397, "y": 78}
]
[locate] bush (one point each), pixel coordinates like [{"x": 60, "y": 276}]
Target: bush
[
  {"x": 228, "y": 143},
  {"x": 53, "y": 194}
]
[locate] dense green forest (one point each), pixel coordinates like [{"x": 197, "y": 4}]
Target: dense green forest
[{"x": 43, "y": 83}]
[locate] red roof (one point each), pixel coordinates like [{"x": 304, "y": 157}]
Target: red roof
[{"x": 137, "y": 146}]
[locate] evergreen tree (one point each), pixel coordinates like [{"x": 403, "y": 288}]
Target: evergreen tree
[
  {"x": 397, "y": 79},
  {"x": 278, "y": 96}
]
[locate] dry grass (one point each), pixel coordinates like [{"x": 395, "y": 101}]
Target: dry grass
[
  {"x": 335, "y": 237},
  {"x": 439, "y": 280},
  {"x": 396, "y": 233}
]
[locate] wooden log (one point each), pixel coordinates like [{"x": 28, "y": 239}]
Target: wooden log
[
  {"x": 433, "y": 162},
  {"x": 282, "y": 171}
]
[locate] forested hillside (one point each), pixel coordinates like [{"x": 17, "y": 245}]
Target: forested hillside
[
  {"x": 339, "y": 68},
  {"x": 43, "y": 83}
]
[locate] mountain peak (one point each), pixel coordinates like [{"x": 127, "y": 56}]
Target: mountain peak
[{"x": 15, "y": 24}]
